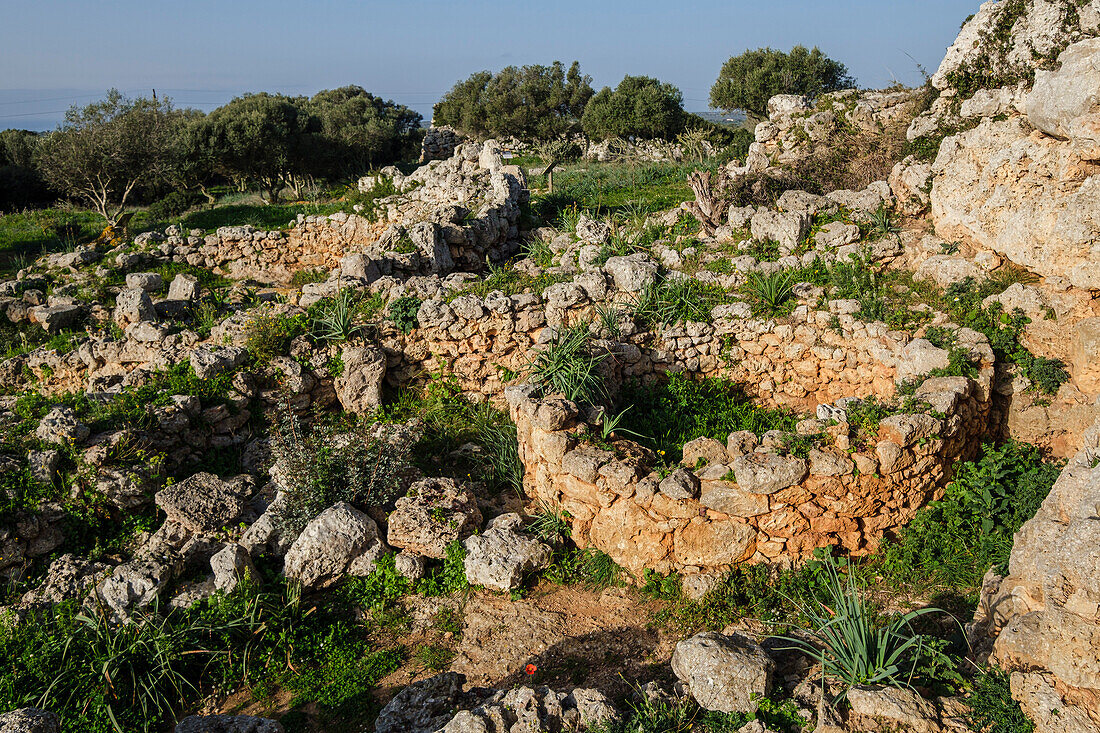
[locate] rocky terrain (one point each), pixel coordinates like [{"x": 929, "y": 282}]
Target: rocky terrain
[{"x": 470, "y": 456}]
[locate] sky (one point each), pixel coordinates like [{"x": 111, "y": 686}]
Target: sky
[{"x": 202, "y": 53}]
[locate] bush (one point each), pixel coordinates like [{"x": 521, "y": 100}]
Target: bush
[
  {"x": 173, "y": 205},
  {"x": 670, "y": 301},
  {"x": 681, "y": 409},
  {"x": 531, "y": 102},
  {"x": 640, "y": 107},
  {"x": 748, "y": 81},
  {"x": 771, "y": 294},
  {"x": 992, "y": 707},
  {"x": 956, "y": 540},
  {"x": 322, "y": 465},
  {"x": 269, "y": 334}
]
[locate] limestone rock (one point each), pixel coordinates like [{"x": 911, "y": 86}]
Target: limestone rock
[
  {"x": 210, "y": 361},
  {"x": 767, "y": 473},
  {"x": 498, "y": 558},
  {"x": 183, "y": 288},
  {"x": 29, "y": 720},
  {"x": 133, "y": 305},
  {"x": 202, "y": 502},
  {"x": 61, "y": 426},
  {"x": 723, "y": 673},
  {"x": 631, "y": 273},
  {"x": 149, "y": 281},
  {"x": 231, "y": 565},
  {"x": 785, "y": 227},
  {"x": 918, "y": 358},
  {"x": 911, "y": 181},
  {"x": 680, "y": 484},
  {"x": 945, "y": 270},
  {"x": 422, "y": 707},
  {"x": 359, "y": 387},
  {"x": 55, "y": 318},
  {"x": 436, "y": 512},
  {"x": 340, "y": 540},
  {"x": 1066, "y": 103}
]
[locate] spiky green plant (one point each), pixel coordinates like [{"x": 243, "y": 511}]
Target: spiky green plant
[
  {"x": 853, "y": 644},
  {"x": 772, "y": 291},
  {"x": 567, "y": 366},
  {"x": 336, "y": 319}
]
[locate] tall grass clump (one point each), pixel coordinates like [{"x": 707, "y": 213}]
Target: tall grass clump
[
  {"x": 567, "y": 366},
  {"x": 772, "y": 293},
  {"x": 669, "y": 301},
  {"x": 335, "y": 320}
]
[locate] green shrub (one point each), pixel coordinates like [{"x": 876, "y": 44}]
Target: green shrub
[
  {"x": 566, "y": 366},
  {"x": 322, "y": 465},
  {"x": 954, "y": 541},
  {"x": 402, "y": 313},
  {"x": 335, "y": 318},
  {"x": 640, "y": 107},
  {"x": 748, "y": 81},
  {"x": 594, "y": 569},
  {"x": 772, "y": 294},
  {"x": 305, "y": 277},
  {"x": 670, "y": 301},
  {"x": 681, "y": 409},
  {"x": 268, "y": 334},
  {"x": 451, "y": 577}
]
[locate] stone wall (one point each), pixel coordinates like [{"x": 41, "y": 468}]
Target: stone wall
[
  {"x": 813, "y": 357},
  {"x": 748, "y": 501}
]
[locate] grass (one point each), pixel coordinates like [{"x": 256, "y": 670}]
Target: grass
[
  {"x": 682, "y": 409},
  {"x": 614, "y": 188},
  {"x": 568, "y": 367},
  {"x": 670, "y": 301}
]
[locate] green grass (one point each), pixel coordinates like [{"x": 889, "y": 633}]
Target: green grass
[
  {"x": 681, "y": 409},
  {"x": 615, "y": 188},
  {"x": 264, "y": 217}
]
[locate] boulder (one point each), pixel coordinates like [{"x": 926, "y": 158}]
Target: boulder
[
  {"x": 1066, "y": 103},
  {"x": 836, "y": 234},
  {"x": 785, "y": 227},
  {"x": 767, "y": 473},
  {"x": 61, "y": 426},
  {"x": 422, "y": 707},
  {"x": 133, "y": 305},
  {"x": 536, "y": 709},
  {"x": 946, "y": 269},
  {"x": 210, "y": 361},
  {"x": 723, "y": 673},
  {"x": 202, "y": 502},
  {"x": 918, "y": 358},
  {"x": 359, "y": 386},
  {"x": 183, "y": 288},
  {"x": 149, "y": 281},
  {"x": 231, "y": 565},
  {"x": 340, "y": 540},
  {"x": 435, "y": 513},
  {"x": 679, "y": 485},
  {"x": 228, "y": 724},
  {"x": 891, "y": 708},
  {"x": 631, "y": 273},
  {"x": 499, "y": 558},
  {"x": 56, "y": 318},
  {"x": 911, "y": 181},
  {"x": 29, "y": 720},
  {"x": 592, "y": 231}
]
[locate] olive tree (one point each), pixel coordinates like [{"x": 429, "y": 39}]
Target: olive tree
[
  {"x": 359, "y": 131},
  {"x": 532, "y": 103},
  {"x": 263, "y": 138},
  {"x": 640, "y": 107},
  {"x": 748, "y": 81},
  {"x": 103, "y": 151}
]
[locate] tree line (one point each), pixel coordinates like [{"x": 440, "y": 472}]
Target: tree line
[{"x": 120, "y": 152}]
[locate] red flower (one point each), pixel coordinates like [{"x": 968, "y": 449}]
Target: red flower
[{"x": 530, "y": 669}]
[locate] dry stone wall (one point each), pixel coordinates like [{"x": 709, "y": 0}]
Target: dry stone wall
[{"x": 747, "y": 501}]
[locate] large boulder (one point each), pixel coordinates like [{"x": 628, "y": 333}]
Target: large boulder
[
  {"x": 1044, "y": 614},
  {"x": 631, "y": 273},
  {"x": 210, "y": 361},
  {"x": 435, "y": 513},
  {"x": 133, "y": 305},
  {"x": 724, "y": 673},
  {"x": 203, "y": 502},
  {"x": 62, "y": 427},
  {"x": 499, "y": 557},
  {"x": 1066, "y": 103},
  {"x": 1031, "y": 198},
  {"x": 340, "y": 540},
  {"x": 359, "y": 386},
  {"x": 785, "y": 227},
  {"x": 767, "y": 473}
]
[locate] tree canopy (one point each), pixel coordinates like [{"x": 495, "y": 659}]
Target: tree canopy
[
  {"x": 529, "y": 102},
  {"x": 748, "y": 81},
  {"x": 640, "y": 107},
  {"x": 103, "y": 151},
  {"x": 359, "y": 131}
]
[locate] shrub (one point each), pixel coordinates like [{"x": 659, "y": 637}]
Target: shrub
[
  {"x": 402, "y": 313},
  {"x": 269, "y": 334},
  {"x": 566, "y": 366},
  {"x": 359, "y": 131},
  {"x": 531, "y": 102},
  {"x": 305, "y": 277},
  {"x": 992, "y": 707},
  {"x": 335, "y": 320},
  {"x": 955, "y": 540},
  {"x": 669, "y": 301},
  {"x": 856, "y": 647},
  {"x": 748, "y": 81},
  {"x": 321, "y": 466},
  {"x": 640, "y": 107}
]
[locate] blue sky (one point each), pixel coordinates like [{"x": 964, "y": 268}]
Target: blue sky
[{"x": 54, "y": 53}]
